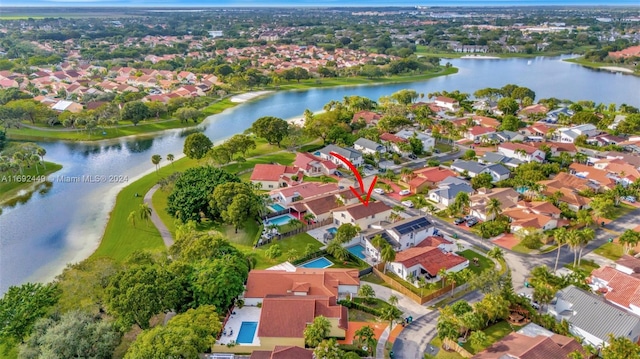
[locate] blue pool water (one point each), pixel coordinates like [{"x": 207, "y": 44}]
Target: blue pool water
[
  {"x": 276, "y": 207},
  {"x": 357, "y": 250},
  {"x": 321, "y": 262},
  {"x": 247, "y": 332},
  {"x": 281, "y": 220},
  {"x": 332, "y": 230}
]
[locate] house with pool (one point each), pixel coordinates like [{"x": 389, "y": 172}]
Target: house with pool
[
  {"x": 270, "y": 176},
  {"x": 288, "y": 195},
  {"x": 279, "y": 304},
  {"x": 400, "y": 235},
  {"x": 361, "y": 215}
]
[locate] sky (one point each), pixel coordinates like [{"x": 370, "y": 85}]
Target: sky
[{"x": 298, "y": 3}]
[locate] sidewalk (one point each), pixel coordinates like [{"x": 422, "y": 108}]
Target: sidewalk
[{"x": 167, "y": 238}]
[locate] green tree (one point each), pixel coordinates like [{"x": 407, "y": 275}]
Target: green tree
[
  {"x": 170, "y": 158},
  {"x": 405, "y": 97},
  {"x": 184, "y": 114},
  {"x": 136, "y": 294},
  {"x": 629, "y": 239},
  {"x": 317, "y": 331},
  {"x": 328, "y": 349},
  {"x": 135, "y": 112},
  {"x": 156, "y": 108},
  {"x": 346, "y": 232},
  {"x": 483, "y": 180},
  {"x": 21, "y": 306},
  {"x": 30, "y": 110},
  {"x": 620, "y": 348},
  {"x": 494, "y": 208},
  {"x": 391, "y": 315},
  {"x": 366, "y": 292},
  {"x": 145, "y": 212},
  {"x": 478, "y": 339},
  {"x": 336, "y": 249},
  {"x": 272, "y": 129},
  {"x": 273, "y": 251},
  {"x": 602, "y": 207},
  {"x": 73, "y": 335},
  {"x": 132, "y": 218},
  {"x": 365, "y": 338},
  {"x": 218, "y": 282},
  {"x": 508, "y": 106},
  {"x": 496, "y": 253},
  {"x": 196, "y": 145},
  {"x": 469, "y": 155},
  {"x": 388, "y": 254},
  {"x": 510, "y": 123},
  {"x": 155, "y": 159},
  {"x": 560, "y": 236}
]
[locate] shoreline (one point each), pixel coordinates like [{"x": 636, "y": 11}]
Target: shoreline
[
  {"x": 480, "y": 57},
  {"x": 616, "y": 69},
  {"x": 248, "y": 96}
]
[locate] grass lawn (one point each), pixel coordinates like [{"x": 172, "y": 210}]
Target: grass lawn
[
  {"x": 521, "y": 249},
  {"x": 620, "y": 211},
  {"x": 442, "y": 354},
  {"x": 356, "y": 315},
  {"x": 483, "y": 262},
  {"x": 594, "y": 65},
  {"x": 120, "y": 237},
  {"x": 8, "y": 352},
  {"x": 612, "y": 251},
  {"x": 298, "y": 242},
  {"x": 323, "y": 179},
  {"x": 443, "y": 147},
  {"x": 494, "y": 333},
  {"x": 372, "y": 278},
  {"x": 284, "y": 158},
  {"x": 585, "y": 265},
  {"x": 413, "y": 288},
  {"x": 11, "y": 184},
  {"x": 218, "y": 107}
]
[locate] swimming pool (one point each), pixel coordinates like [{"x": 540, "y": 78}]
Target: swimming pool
[
  {"x": 281, "y": 220},
  {"x": 247, "y": 332},
  {"x": 333, "y": 230},
  {"x": 276, "y": 207},
  {"x": 357, "y": 250},
  {"x": 321, "y": 262}
]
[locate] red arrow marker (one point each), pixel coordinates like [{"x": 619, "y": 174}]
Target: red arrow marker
[{"x": 364, "y": 196}]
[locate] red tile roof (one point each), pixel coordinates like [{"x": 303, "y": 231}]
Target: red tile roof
[
  {"x": 367, "y": 116},
  {"x": 391, "y": 138},
  {"x": 518, "y": 146},
  {"x": 359, "y": 210},
  {"x": 430, "y": 258},
  {"x": 282, "y": 352},
  {"x": 479, "y": 130},
  {"x": 317, "y": 281},
  {"x": 445, "y": 99},
  {"x": 625, "y": 289},
  {"x": 435, "y": 174},
  {"x": 486, "y": 121},
  {"x": 268, "y": 172},
  {"x": 520, "y": 346},
  {"x": 308, "y": 189}
]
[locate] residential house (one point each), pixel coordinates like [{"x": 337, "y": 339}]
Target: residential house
[
  {"x": 498, "y": 172},
  {"x": 537, "y": 130},
  {"x": 393, "y": 142},
  {"x": 522, "y": 152},
  {"x": 428, "y": 142},
  {"x": 283, "y": 352},
  {"x": 425, "y": 260},
  {"x": 446, "y": 102},
  {"x": 616, "y": 121},
  {"x": 540, "y": 215},
  {"x": 425, "y": 178},
  {"x": 495, "y": 158},
  {"x": 448, "y": 189},
  {"x": 536, "y": 109},
  {"x": 314, "y": 166},
  {"x": 505, "y": 136},
  {"x": 522, "y": 346},
  {"x": 286, "y": 196},
  {"x": 350, "y": 154},
  {"x": 270, "y": 176},
  {"x": 368, "y": 147},
  {"x": 290, "y": 300},
  {"x": 570, "y": 134},
  {"x": 618, "y": 288},
  {"x": 591, "y": 318},
  {"x": 403, "y": 234},
  {"x": 321, "y": 207},
  {"x": 478, "y": 133},
  {"x": 620, "y": 169},
  {"x": 600, "y": 179},
  {"x": 605, "y": 139},
  {"x": 485, "y": 121},
  {"x": 369, "y": 117},
  {"x": 361, "y": 215},
  {"x": 568, "y": 187},
  {"x": 506, "y": 196},
  {"x": 70, "y": 106},
  {"x": 554, "y": 115},
  {"x": 629, "y": 264},
  {"x": 556, "y": 148}
]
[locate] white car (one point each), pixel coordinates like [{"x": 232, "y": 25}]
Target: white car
[
  {"x": 378, "y": 190},
  {"x": 404, "y": 192},
  {"x": 407, "y": 204}
]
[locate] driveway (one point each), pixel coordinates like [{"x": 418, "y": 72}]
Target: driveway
[{"x": 414, "y": 339}]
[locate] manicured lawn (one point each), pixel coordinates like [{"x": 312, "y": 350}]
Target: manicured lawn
[
  {"x": 494, "y": 333},
  {"x": 483, "y": 262},
  {"x": 612, "y": 251},
  {"x": 620, "y": 211},
  {"x": 442, "y": 354},
  {"x": 585, "y": 265},
  {"x": 413, "y": 288},
  {"x": 443, "y": 147},
  {"x": 120, "y": 237},
  {"x": 284, "y": 158},
  {"x": 323, "y": 179},
  {"x": 375, "y": 303},
  {"x": 594, "y": 65},
  {"x": 356, "y": 315},
  {"x": 372, "y": 278},
  {"x": 298, "y": 242},
  {"x": 521, "y": 249},
  {"x": 11, "y": 184},
  {"x": 218, "y": 107}
]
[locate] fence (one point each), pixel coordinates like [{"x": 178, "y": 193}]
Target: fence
[
  {"x": 448, "y": 343},
  {"x": 406, "y": 291},
  {"x": 306, "y": 228}
]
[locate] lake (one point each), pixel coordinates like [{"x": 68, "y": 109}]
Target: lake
[{"x": 64, "y": 223}]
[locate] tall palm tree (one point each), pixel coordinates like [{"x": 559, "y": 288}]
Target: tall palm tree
[
  {"x": 573, "y": 241},
  {"x": 132, "y": 218},
  {"x": 378, "y": 242},
  {"x": 496, "y": 253},
  {"x": 494, "y": 208},
  {"x": 388, "y": 254},
  {"x": 41, "y": 152},
  {"x": 462, "y": 201},
  {"x": 155, "y": 159},
  {"x": 586, "y": 235},
  {"x": 420, "y": 202},
  {"x": 560, "y": 235},
  {"x": 336, "y": 249},
  {"x": 170, "y": 158},
  {"x": 406, "y": 174},
  {"x": 144, "y": 212},
  {"x": 309, "y": 217},
  {"x": 35, "y": 159}
]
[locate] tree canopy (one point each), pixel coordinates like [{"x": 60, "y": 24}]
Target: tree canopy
[
  {"x": 272, "y": 129},
  {"x": 196, "y": 145},
  {"x": 21, "y": 306}
]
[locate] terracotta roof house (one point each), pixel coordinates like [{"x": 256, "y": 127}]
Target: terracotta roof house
[
  {"x": 446, "y": 102},
  {"x": 521, "y": 346},
  {"x": 270, "y": 176},
  {"x": 539, "y": 215},
  {"x": 426, "y": 261},
  {"x": 307, "y": 190},
  {"x": 601, "y": 179},
  {"x": 537, "y": 129},
  {"x": 392, "y": 142},
  {"x": 619, "y": 288},
  {"x": 361, "y": 215},
  {"x": 568, "y": 186},
  {"x": 369, "y": 117},
  {"x": 620, "y": 169},
  {"x": 67, "y": 106},
  {"x": 425, "y": 178},
  {"x": 476, "y": 133},
  {"x": 628, "y": 52},
  {"x": 485, "y": 121},
  {"x": 522, "y": 152},
  {"x": 629, "y": 264},
  {"x": 283, "y": 352},
  {"x": 321, "y": 207},
  {"x": 314, "y": 166},
  {"x": 534, "y": 109},
  {"x": 479, "y": 201}
]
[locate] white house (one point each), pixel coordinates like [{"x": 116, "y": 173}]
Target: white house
[
  {"x": 570, "y": 134},
  {"x": 393, "y": 142},
  {"x": 428, "y": 142},
  {"x": 522, "y": 152},
  {"x": 351, "y": 154},
  {"x": 447, "y": 190},
  {"x": 361, "y": 215},
  {"x": 618, "y": 288},
  {"x": 400, "y": 235},
  {"x": 498, "y": 172},
  {"x": 368, "y": 147},
  {"x": 272, "y": 176},
  {"x": 446, "y": 102}
]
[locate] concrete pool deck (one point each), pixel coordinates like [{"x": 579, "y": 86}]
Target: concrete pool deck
[{"x": 244, "y": 314}]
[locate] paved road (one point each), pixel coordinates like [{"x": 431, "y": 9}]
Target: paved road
[{"x": 167, "y": 238}]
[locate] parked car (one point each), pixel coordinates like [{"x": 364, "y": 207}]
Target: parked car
[
  {"x": 407, "y": 204},
  {"x": 378, "y": 190},
  {"x": 338, "y": 173},
  {"x": 404, "y": 192},
  {"x": 468, "y": 218},
  {"x": 472, "y": 222},
  {"x": 631, "y": 199},
  {"x": 458, "y": 221},
  {"x": 368, "y": 167},
  {"x": 412, "y": 156}
]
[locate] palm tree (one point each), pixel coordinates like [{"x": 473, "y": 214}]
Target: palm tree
[
  {"x": 35, "y": 159},
  {"x": 170, "y": 158},
  {"x": 628, "y": 239},
  {"x": 496, "y": 253},
  {"x": 393, "y": 300},
  {"x": 388, "y": 254},
  {"x": 573, "y": 241},
  {"x": 41, "y": 152},
  {"x": 144, "y": 212},
  {"x": 586, "y": 235},
  {"x": 155, "y": 159},
  {"x": 337, "y": 250},
  {"x": 494, "y": 208},
  {"x": 309, "y": 217},
  {"x": 378, "y": 242},
  {"x": 560, "y": 235},
  {"x": 390, "y": 314},
  {"x": 132, "y": 218},
  {"x": 462, "y": 201},
  {"x": 420, "y": 202}
]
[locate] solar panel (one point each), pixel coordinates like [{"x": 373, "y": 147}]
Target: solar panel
[{"x": 411, "y": 226}]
